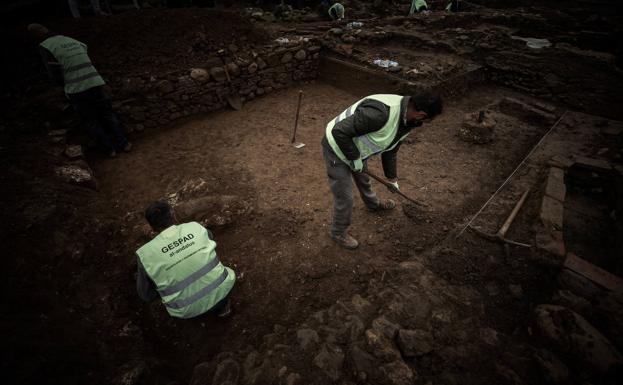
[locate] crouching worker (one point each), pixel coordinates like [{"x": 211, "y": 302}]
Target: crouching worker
[{"x": 180, "y": 264}]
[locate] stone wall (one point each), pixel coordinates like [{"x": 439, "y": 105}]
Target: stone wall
[{"x": 151, "y": 100}]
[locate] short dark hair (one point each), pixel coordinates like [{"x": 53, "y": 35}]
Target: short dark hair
[
  {"x": 159, "y": 215},
  {"x": 427, "y": 102}
]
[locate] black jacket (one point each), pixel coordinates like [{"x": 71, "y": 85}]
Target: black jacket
[{"x": 370, "y": 115}]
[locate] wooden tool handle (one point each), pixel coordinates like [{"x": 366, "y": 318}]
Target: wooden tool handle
[
  {"x": 387, "y": 184},
  {"x": 296, "y": 121},
  {"x": 513, "y": 214}
]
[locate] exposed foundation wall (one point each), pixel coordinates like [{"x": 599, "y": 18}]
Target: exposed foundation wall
[{"x": 151, "y": 100}]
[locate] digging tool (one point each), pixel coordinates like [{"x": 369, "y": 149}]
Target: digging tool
[
  {"x": 233, "y": 97},
  {"x": 500, "y": 236},
  {"x": 389, "y": 185},
  {"x": 296, "y": 123}
]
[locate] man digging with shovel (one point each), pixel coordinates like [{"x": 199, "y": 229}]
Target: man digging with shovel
[{"x": 375, "y": 124}]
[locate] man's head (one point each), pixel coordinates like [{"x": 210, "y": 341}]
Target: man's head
[
  {"x": 423, "y": 105},
  {"x": 160, "y": 215},
  {"x": 37, "y": 32}
]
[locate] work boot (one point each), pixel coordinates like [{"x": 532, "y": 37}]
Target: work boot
[
  {"x": 385, "y": 205},
  {"x": 346, "y": 241}
]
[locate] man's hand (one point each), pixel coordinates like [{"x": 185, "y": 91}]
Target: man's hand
[
  {"x": 392, "y": 185},
  {"x": 357, "y": 165}
]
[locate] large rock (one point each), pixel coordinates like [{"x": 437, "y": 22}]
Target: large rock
[
  {"x": 571, "y": 334},
  {"x": 330, "y": 360},
  {"x": 413, "y": 343},
  {"x": 218, "y": 73},
  {"x": 474, "y": 131},
  {"x": 78, "y": 173}
]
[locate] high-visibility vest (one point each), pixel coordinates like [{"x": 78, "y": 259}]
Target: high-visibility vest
[
  {"x": 374, "y": 142},
  {"x": 338, "y": 9},
  {"x": 78, "y": 71},
  {"x": 416, "y": 5},
  {"x": 188, "y": 275}
]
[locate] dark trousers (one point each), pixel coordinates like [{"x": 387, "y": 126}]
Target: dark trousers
[
  {"x": 100, "y": 121},
  {"x": 342, "y": 188}
]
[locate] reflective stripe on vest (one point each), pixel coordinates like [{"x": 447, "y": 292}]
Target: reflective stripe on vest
[
  {"x": 188, "y": 275},
  {"x": 373, "y": 142},
  {"x": 78, "y": 71},
  {"x": 416, "y": 5}
]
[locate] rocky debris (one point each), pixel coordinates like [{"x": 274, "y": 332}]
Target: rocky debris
[
  {"x": 414, "y": 343},
  {"x": 571, "y": 334},
  {"x": 73, "y": 152},
  {"x": 218, "y": 73},
  {"x": 78, "y": 173},
  {"x": 330, "y": 360},
  {"x": 200, "y": 75},
  {"x": 397, "y": 373},
  {"x": 477, "y": 127},
  {"x": 533, "y": 114}
]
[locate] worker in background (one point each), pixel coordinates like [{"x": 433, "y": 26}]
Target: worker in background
[
  {"x": 376, "y": 124},
  {"x": 336, "y": 12},
  {"x": 96, "y": 5},
  {"x": 180, "y": 264},
  {"x": 69, "y": 65},
  {"x": 418, "y": 6},
  {"x": 282, "y": 11},
  {"x": 453, "y": 6}
]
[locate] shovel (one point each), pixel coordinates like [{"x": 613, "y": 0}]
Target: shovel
[
  {"x": 389, "y": 185},
  {"x": 296, "y": 123},
  {"x": 233, "y": 97}
]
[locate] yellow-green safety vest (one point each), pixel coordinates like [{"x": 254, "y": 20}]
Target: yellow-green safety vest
[
  {"x": 416, "y": 5},
  {"x": 78, "y": 71},
  {"x": 374, "y": 142},
  {"x": 339, "y": 10},
  {"x": 188, "y": 275}
]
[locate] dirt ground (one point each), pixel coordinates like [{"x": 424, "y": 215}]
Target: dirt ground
[{"x": 287, "y": 265}]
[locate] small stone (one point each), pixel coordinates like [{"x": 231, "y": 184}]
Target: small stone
[
  {"x": 307, "y": 338},
  {"x": 398, "y": 373},
  {"x": 381, "y": 346},
  {"x": 301, "y": 55},
  {"x": 165, "y": 87},
  {"x": 336, "y": 31},
  {"x": 261, "y": 63},
  {"x": 200, "y": 75},
  {"x": 383, "y": 325},
  {"x": 233, "y": 69},
  {"x": 252, "y": 68},
  {"x": 73, "y": 152},
  {"x": 287, "y": 57},
  {"x": 330, "y": 360},
  {"x": 218, "y": 73},
  {"x": 414, "y": 343},
  {"x": 61, "y": 132}
]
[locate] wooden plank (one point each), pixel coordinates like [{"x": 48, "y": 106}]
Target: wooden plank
[{"x": 595, "y": 273}]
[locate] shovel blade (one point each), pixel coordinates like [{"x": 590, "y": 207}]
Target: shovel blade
[{"x": 298, "y": 145}]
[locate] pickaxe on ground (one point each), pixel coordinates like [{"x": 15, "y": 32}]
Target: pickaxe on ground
[{"x": 500, "y": 236}]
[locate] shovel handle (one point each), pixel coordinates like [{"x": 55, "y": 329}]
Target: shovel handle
[
  {"x": 296, "y": 121},
  {"x": 387, "y": 184}
]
